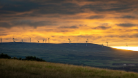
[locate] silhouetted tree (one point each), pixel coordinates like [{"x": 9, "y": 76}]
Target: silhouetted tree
[
  {"x": 4, "y": 56},
  {"x": 20, "y": 59},
  {"x": 33, "y": 58}
]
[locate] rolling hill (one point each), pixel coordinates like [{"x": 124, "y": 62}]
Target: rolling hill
[{"x": 74, "y": 53}]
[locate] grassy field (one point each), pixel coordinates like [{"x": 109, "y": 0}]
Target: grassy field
[{"x": 10, "y": 68}]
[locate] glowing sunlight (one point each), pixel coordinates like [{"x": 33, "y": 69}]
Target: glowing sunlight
[{"x": 133, "y": 48}]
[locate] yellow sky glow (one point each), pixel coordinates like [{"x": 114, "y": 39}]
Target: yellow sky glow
[
  {"x": 98, "y": 21},
  {"x": 126, "y": 48}
]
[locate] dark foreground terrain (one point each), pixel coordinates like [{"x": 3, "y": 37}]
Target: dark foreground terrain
[
  {"x": 76, "y": 53},
  {"x": 10, "y": 68}
]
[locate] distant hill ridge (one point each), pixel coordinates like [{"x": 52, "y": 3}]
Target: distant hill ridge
[
  {"x": 74, "y": 53},
  {"x": 60, "y": 44}
]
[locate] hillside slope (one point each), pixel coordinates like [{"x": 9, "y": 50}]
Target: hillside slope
[
  {"x": 10, "y": 68},
  {"x": 74, "y": 53}
]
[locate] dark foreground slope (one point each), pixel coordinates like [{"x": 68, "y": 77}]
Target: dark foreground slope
[
  {"x": 30, "y": 69},
  {"x": 75, "y": 53}
]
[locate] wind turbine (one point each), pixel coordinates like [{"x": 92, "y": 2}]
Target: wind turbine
[
  {"x": 43, "y": 40},
  {"x": 102, "y": 44},
  {"x": 30, "y": 40},
  {"x": 22, "y": 40},
  {"x": 13, "y": 39},
  {"x": 38, "y": 41},
  {"x": 69, "y": 40},
  {"x": 107, "y": 43},
  {"x": 86, "y": 42}
]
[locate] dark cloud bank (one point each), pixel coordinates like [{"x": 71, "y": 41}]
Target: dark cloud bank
[
  {"x": 61, "y": 6},
  {"x": 126, "y": 25},
  {"x": 102, "y": 27},
  {"x": 70, "y": 27},
  {"x": 10, "y": 8},
  {"x": 26, "y": 23}
]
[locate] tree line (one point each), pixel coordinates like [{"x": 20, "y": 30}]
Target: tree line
[{"x": 32, "y": 58}]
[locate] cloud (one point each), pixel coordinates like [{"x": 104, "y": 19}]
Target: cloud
[
  {"x": 102, "y": 27},
  {"x": 135, "y": 35},
  {"x": 124, "y": 36},
  {"x": 5, "y": 25},
  {"x": 62, "y": 31},
  {"x": 128, "y": 16},
  {"x": 65, "y": 8},
  {"x": 38, "y": 7},
  {"x": 47, "y": 1},
  {"x": 126, "y": 25},
  {"x": 116, "y": 6},
  {"x": 89, "y": 37},
  {"x": 18, "y": 6},
  {"x": 32, "y": 23},
  {"x": 70, "y": 27},
  {"x": 3, "y": 34},
  {"x": 42, "y": 7},
  {"x": 131, "y": 30},
  {"x": 23, "y": 23},
  {"x": 96, "y": 17}
]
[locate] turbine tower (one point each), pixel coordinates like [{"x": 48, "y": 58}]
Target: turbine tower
[
  {"x": 69, "y": 40},
  {"x": 86, "y": 42},
  {"x": 38, "y": 41},
  {"x": 30, "y": 40},
  {"x": 107, "y": 43},
  {"x": 22, "y": 40},
  {"x": 13, "y": 39},
  {"x": 43, "y": 40}
]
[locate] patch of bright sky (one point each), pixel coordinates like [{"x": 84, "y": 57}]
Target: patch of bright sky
[{"x": 133, "y": 48}]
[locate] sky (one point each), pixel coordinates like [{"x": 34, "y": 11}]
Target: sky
[{"x": 99, "y": 21}]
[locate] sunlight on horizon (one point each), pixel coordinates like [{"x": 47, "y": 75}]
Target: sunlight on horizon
[{"x": 133, "y": 48}]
